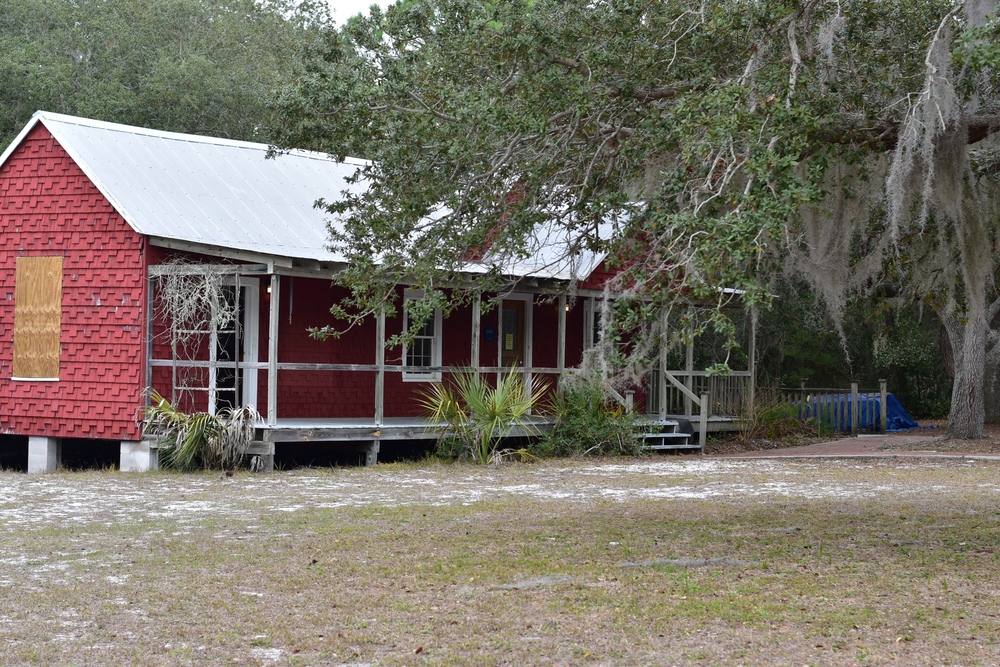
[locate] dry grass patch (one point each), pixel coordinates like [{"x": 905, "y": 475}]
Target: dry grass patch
[{"x": 857, "y": 563}]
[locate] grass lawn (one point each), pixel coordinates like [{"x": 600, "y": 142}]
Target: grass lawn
[{"x": 581, "y": 562}]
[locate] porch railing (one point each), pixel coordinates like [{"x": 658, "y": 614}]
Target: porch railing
[{"x": 728, "y": 393}]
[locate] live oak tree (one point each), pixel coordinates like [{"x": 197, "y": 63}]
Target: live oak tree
[
  {"x": 198, "y": 66},
  {"x": 701, "y": 145}
]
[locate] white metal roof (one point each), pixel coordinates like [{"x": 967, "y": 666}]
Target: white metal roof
[
  {"x": 203, "y": 190},
  {"x": 225, "y": 195},
  {"x": 553, "y": 252}
]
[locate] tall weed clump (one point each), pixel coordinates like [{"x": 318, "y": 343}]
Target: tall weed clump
[
  {"x": 190, "y": 441},
  {"x": 768, "y": 417},
  {"x": 479, "y": 414},
  {"x": 590, "y": 421}
]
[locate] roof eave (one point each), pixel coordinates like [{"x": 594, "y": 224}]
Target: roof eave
[
  {"x": 35, "y": 119},
  {"x": 281, "y": 264}
]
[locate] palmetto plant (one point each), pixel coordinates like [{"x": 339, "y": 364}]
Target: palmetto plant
[
  {"x": 480, "y": 414},
  {"x": 190, "y": 440}
]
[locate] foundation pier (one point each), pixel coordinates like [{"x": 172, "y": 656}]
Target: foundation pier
[
  {"x": 139, "y": 456},
  {"x": 371, "y": 453},
  {"x": 44, "y": 454},
  {"x": 264, "y": 449}
]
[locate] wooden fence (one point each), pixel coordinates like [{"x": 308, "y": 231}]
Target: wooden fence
[{"x": 845, "y": 410}]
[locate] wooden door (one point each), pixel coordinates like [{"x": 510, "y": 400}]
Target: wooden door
[{"x": 512, "y": 333}]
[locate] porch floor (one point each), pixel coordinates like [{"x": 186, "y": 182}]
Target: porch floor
[
  {"x": 358, "y": 428},
  {"x": 716, "y": 423},
  {"x": 291, "y": 429}
]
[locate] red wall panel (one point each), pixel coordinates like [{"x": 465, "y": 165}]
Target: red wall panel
[{"x": 49, "y": 207}]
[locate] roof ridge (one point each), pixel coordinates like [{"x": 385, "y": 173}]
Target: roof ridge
[{"x": 181, "y": 136}]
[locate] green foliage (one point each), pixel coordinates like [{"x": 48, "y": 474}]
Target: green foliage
[
  {"x": 879, "y": 340},
  {"x": 457, "y": 100},
  {"x": 696, "y": 145},
  {"x": 190, "y": 441},
  {"x": 480, "y": 414},
  {"x": 589, "y": 421},
  {"x": 907, "y": 352},
  {"x": 798, "y": 340},
  {"x": 197, "y": 66},
  {"x": 690, "y": 125}
]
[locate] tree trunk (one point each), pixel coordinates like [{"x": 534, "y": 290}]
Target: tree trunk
[
  {"x": 947, "y": 352},
  {"x": 991, "y": 379},
  {"x": 991, "y": 389},
  {"x": 972, "y": 233},
  {"x": 991, "y": 375},
  {"x": 969, "y": 346}
]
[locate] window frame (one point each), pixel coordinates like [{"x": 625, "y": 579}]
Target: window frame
[
  {"x": 416, "y": 376},
  {"x": 591, "y": 323}
]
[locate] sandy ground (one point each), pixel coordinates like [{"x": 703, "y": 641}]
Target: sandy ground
[
  {"x": 821, "y": 562},
  {"x": 87, "y": 499}
]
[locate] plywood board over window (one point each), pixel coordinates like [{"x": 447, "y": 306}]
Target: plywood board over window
[{"x": 37, "y": 312}]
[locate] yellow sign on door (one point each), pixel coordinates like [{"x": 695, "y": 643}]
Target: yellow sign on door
[{"x": 508, "y": 342}]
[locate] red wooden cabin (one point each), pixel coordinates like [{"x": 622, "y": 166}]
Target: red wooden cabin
[{"x": 95, "y": 216}]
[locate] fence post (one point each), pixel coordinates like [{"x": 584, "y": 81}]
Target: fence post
[
  {"x": 883, "y": 413},
  {"x": 802, "y": 397},
  {"x": 703, "y": 421},
  {"x": 855, "y": 409}
]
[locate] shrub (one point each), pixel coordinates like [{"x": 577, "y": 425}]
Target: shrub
[
  {"x": 590, "y": 421},
  {"x": 771, "y": 418}
]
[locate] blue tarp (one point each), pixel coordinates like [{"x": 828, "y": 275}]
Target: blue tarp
[{"x": 836, "y": 409}]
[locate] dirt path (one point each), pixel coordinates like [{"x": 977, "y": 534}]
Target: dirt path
[
  {"x": 927, "y": 442},
  {"x": 891, "y": 445}
]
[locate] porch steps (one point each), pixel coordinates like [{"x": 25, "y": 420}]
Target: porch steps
[{"x": 668, "y": 435}]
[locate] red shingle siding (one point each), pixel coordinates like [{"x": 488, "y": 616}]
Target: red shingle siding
[
  {"x": 318, "y": 393},
  {"x": 48, "y": 206},
  {"x": 598, "y": 277}
]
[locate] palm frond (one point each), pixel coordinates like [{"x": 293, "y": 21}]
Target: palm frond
[
  {"x": 480, "y": 414},
  {"x": 190, "y": 440}
]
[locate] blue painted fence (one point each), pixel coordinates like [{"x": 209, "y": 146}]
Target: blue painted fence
[{"x": 834, "y": 409}]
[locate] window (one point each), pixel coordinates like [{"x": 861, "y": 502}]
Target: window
[
  {"x": 425, "y": 348},
  {"x": 37, "y": 316},
  {"x": 592, "y": 322}
]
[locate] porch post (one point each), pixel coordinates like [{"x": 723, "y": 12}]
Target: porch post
[
  {"x": 272, "y": 352},
  {"x": 703, "y": 421},
  {"x": 380, "y": 363},
  {"x": 752, "y": 389},
  {"x": 883, "y": 413},
  {"x": 477, "y": 331},
  {"x": 561, "y": 339},
  {"x": 661, "y": 377},
  {"x": 855, "y": 412},
  {"x": 237, "y": 389},
  {"x": 689, "y": 367},
  {"x": 149, "y": 337}
]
